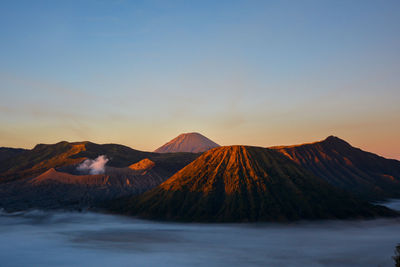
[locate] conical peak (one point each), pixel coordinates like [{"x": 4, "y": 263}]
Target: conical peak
[
  {"x": 187, "y": 142},
  {"x": 232, "y": 151},
  {"x": 191, "y": 133},
  {"x": 334, "y": 140},
  {"x": 232, "y": 166}
]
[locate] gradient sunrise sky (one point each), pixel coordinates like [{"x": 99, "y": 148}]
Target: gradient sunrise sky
[{"x": 240, "y": 72}]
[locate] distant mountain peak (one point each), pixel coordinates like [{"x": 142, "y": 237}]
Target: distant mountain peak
[
  {"x": 191, "y": 133},
  {"x": 332, "y": 137},
  {"x": 334, "y": 140},
  {"x": 187, "y": 142}
]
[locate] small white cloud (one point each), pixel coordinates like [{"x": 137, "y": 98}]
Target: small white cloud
[{"x": 96, "y": 166}]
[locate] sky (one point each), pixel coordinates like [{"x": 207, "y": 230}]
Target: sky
[{"x": 246, "y": 72}]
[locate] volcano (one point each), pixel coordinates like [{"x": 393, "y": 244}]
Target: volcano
[
  {"x": 187, "y": 142},
  {"x": 47, "y": 177},
  {"x": 43, "y": 157},
  {"x": 243, "y": 183},
  {"x": 363, "y": 173}
]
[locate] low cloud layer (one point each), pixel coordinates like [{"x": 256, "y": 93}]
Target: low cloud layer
[
  {"x": 96, "y": 166},
  {"x": 330, "y": 243}
]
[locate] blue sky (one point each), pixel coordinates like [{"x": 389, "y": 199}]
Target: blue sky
[{"x": 240, "y": 72}]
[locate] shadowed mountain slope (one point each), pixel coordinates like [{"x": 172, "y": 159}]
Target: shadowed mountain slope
[
  {"x": 38, "y": 160},
  {"x": 241, "y": 183},
  {"x": 47, "y": 176},
  {"x": 187, "y": 142},
  {"x": 363, "y": 173},
  {"x": 43, "y": 157},
  {"x": 57, "y": 189},
  {"x": 53, "y": 176},
  {"x": 124, "y": 177},
  {"x": 8, "y": 152}
]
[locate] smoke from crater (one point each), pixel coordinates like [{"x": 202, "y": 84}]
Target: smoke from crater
[{"x": 93, "y": 166}]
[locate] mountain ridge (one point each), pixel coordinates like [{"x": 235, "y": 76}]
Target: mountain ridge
[
  {"x": 42, "y": 157},
  {"x": 364, "y": 173},
  {"x": 8, "y": 152}
]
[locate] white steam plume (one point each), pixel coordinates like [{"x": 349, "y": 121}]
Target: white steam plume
[{"x": 96, "y": 166}]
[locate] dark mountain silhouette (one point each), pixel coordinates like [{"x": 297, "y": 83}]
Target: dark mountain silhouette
[
  {"x": 187, "y": 142},
  {"x": 242, "y": 183},
  {"x": 333, "y": 159},
  {"x": 58, "y": 189},
  {"x": 47, "y": 176},
  {"x": 43, "y": 157},
  {"x": 8, "y": 152},
  {"x": 38, "y": 160}
]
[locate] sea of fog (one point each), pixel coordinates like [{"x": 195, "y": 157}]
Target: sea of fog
[{"x": 38, "y": 238}]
